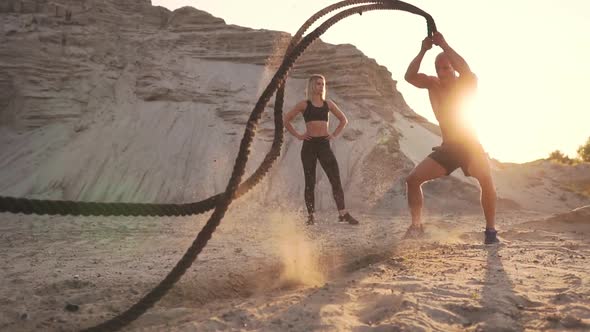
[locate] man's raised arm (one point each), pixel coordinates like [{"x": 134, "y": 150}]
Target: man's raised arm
[{"x": 412, "y": 76}]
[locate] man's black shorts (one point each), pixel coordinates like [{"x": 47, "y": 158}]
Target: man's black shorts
[{"x": 454, "y": 155}]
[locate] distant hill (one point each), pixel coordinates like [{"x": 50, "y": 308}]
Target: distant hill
[{"x": 124, "y": 101}]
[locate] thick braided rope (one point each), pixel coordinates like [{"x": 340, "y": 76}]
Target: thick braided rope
[
  {"x": 279, "y": 99},
  {"x": 203, "y": 237},
  {"x": 64, "y": 207}
]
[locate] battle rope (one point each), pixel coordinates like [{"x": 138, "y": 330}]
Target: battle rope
[
  {"x": 66, "y": 207},
  {"x": 223, "y": 203}
]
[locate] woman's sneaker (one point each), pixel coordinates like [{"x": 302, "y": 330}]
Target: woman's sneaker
[
  {"x": 348, "y": 218},
  {"x": 491, "y": 236}
]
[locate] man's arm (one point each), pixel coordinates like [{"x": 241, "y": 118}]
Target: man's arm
[
  {"x": 341, "y": 117},
  {"x": 456, "y": 60},
  {"x": 412, "y": 76}
]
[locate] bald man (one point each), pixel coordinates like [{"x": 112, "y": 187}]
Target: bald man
[{"x": 460, "y": 147}]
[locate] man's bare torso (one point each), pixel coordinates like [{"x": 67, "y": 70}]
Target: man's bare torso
[{"x": 448, "y": 103}]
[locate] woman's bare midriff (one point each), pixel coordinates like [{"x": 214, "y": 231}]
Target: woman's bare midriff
[{"x": 317, "y": 128}]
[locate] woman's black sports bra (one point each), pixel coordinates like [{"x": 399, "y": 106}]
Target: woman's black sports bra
[{"x": 313, "y": 113}]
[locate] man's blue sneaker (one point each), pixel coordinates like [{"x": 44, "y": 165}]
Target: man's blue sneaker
[{"x": 491, "y": 236}]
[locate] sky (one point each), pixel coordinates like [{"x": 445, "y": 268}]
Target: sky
[{"x": 532, "y": 58}]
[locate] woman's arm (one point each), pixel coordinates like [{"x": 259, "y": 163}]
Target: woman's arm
[
  {"x": 289, "y": 116},
  {"x": 340, "y": 116}
]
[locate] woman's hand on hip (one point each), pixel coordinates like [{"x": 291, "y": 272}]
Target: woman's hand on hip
[{"x": 304, "y": 137}]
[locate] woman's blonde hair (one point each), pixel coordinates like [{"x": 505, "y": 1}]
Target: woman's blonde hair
[{"x": 311, "y": 86}]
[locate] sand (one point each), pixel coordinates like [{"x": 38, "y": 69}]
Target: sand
[{"x": 266, "y": 271}]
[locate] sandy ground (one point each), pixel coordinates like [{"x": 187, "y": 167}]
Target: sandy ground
[{"x": 268, "y": 272}]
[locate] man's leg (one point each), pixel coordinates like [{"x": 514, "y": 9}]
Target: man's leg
[
  {"x": 480, "y": 169},
  {"x": 427, "y": 170}
]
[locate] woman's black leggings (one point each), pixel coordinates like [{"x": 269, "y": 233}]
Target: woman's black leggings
[{"x": 318, "y": 148}]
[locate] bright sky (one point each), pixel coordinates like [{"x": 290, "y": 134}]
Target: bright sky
[{"x": 531, "y": 57}]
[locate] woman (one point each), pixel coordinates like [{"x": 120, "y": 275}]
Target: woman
[{"x": 316, "y": 144}]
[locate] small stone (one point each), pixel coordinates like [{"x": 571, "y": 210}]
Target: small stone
[{"x": 72, "y": 307}]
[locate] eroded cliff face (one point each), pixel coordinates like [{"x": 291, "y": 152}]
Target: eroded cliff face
[{"x": 123, "y": 101}]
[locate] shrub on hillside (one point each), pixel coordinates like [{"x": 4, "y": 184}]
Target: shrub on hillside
[
  {"x": 560, "y": 157},
  {"x": 584, "y": 151}
]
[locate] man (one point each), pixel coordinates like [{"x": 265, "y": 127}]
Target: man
[{"x": 460, "y": 146}]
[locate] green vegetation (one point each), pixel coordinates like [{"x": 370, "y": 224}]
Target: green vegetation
[
  {"x": 583, "y": 155},
  {"x": 561, "y": 158},
  {"x": 584, "y": 151}
]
